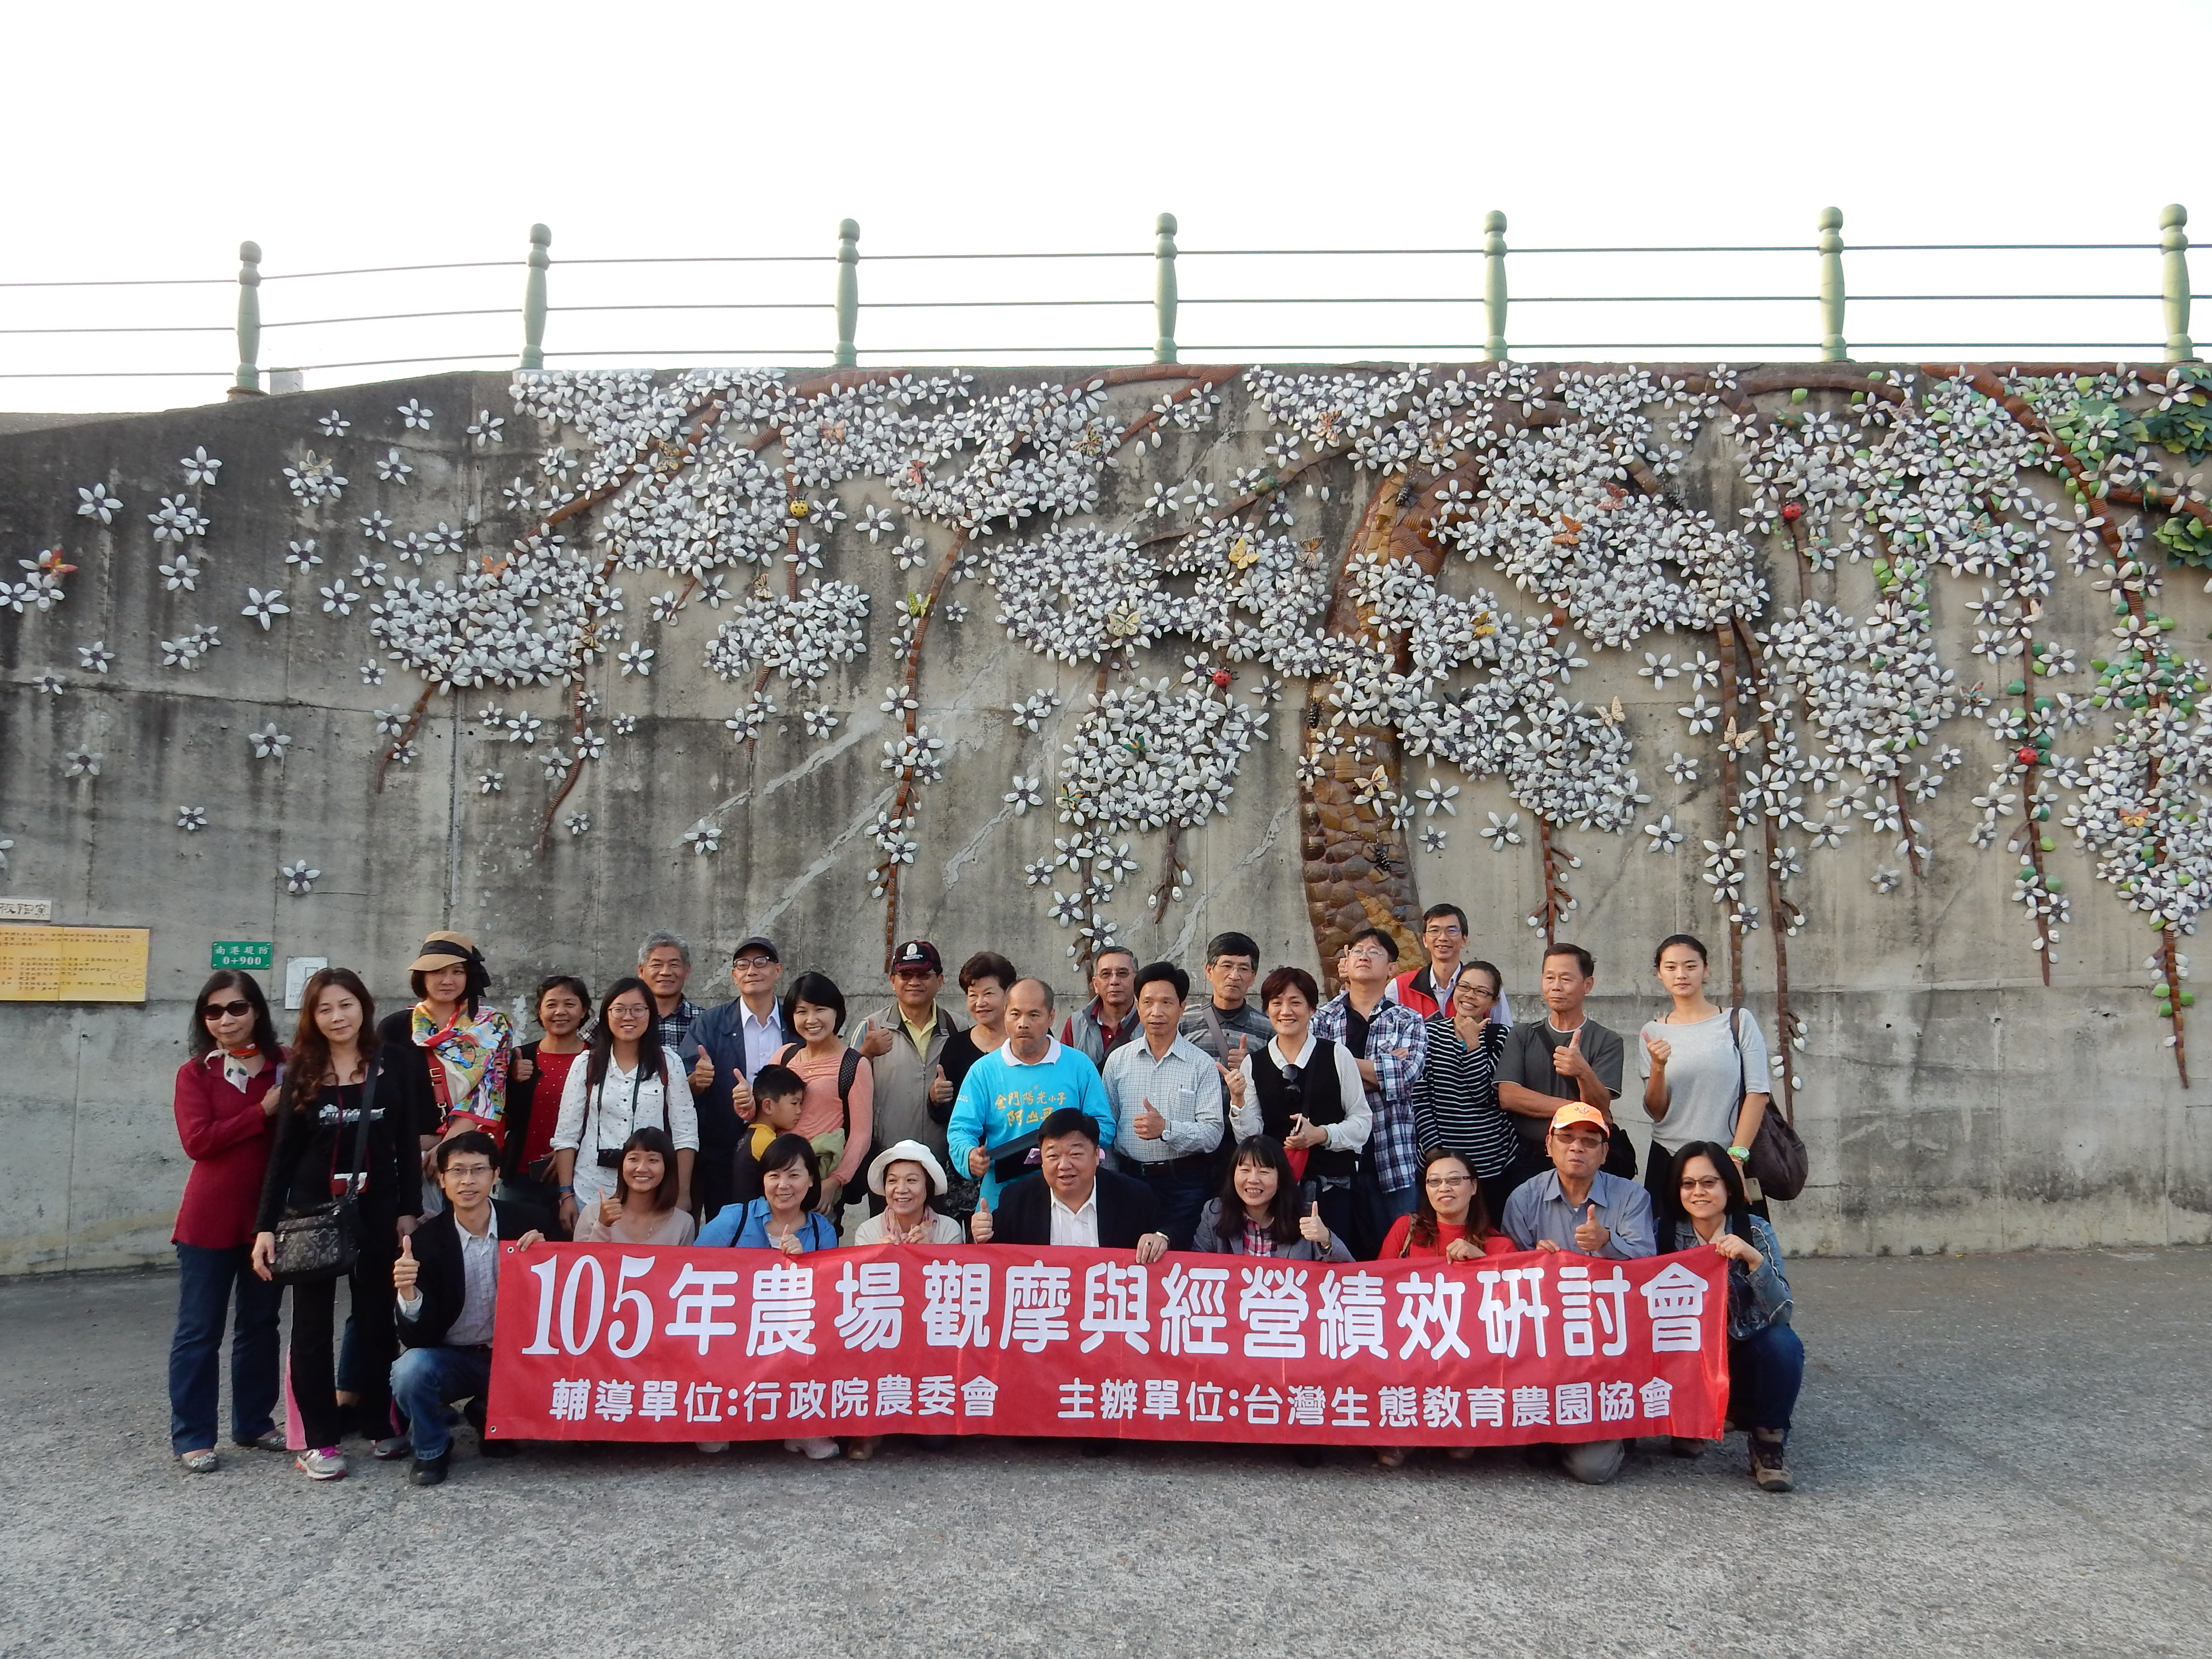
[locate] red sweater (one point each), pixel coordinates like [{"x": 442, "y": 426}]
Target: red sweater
[
  {"x": 228, "y": 1138},
  {"x": 1394, "y": 1244}
]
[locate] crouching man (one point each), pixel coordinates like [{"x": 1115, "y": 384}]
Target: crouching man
[{"x": 447, "y": 1282}]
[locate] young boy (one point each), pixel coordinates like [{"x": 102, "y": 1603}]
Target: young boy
[{"x": 779, "y": 1094}]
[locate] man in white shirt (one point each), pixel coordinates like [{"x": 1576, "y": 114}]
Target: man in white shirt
[
  {"x": 1166, "y": 1096},
  {"x": 447, "y": 1280}
]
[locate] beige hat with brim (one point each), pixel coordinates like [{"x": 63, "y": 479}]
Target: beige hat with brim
[
  {"x": 444, "y": 951},
  {"x": 906, "y": 1151}
]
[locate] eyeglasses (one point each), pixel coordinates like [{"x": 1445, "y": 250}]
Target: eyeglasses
[
  {"x": 1293, "y": 1073},
  {"x": 1448, "y": 1181},
  {"x": 1704, "y": 1184},
  {"x": 755, "y": 962},
  {"x": 220, "y": 1010},
  {"x": 908, "y": 973}
]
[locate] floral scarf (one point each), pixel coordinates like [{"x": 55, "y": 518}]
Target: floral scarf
[{"x": 468, "y": 1072}]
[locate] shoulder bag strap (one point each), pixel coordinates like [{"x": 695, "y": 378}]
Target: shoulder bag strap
[
  {"x": 849, "y": 1068},
  {"x": 360, "y": 1171}
]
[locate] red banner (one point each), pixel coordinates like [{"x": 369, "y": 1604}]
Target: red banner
[{"x": 608, "y": 1342}]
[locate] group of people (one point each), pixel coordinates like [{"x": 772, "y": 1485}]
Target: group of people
[{"x": 1406, "y": 1116}]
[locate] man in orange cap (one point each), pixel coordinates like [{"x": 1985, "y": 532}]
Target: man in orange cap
[{"x": 1576, "y": 1206}]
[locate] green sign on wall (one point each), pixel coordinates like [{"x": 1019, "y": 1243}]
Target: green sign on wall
[{"x": 240, "y": 953}]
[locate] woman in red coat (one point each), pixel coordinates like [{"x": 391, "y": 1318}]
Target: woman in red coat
[{"x": 226, "y": 1107}]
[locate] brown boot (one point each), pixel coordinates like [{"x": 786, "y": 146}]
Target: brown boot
[{"x": 1768, "y": 1467}]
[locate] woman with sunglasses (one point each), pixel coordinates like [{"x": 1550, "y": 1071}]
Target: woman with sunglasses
[
  {"x": 226, "y": 1107},
  {"x": 1767, "y": 1358}
]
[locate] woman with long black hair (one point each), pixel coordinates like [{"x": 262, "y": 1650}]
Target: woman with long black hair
[
  {"x": 626, "y": 1081},
  {"x": 335, "y": 1138}
]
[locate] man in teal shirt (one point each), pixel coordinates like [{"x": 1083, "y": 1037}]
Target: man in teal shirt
[{"x": 1010, "y": 1092}]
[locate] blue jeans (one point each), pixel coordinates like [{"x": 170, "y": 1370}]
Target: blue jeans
[
  {"x": 207, "y": 1282},
  {"x": 1765, "y": 1370},
  {"x": 425, "y": 1381}
]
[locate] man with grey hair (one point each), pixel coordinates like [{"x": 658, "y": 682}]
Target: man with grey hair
[
  {"x": 1109, "y": 1018},
  {"x": 664, "y": 962}
]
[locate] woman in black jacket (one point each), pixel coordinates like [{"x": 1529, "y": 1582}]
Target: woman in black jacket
[{"x": 336, "y": 1134}]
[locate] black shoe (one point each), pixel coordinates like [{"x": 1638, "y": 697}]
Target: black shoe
[
  {"x": 1306, "y": 1457},
  {"x": 1101, "y": 1448},
  {"x": 495, "y": 1447},
  {"x": 428, "y": 1471}
]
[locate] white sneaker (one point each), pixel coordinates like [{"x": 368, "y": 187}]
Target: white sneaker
[
  {"x": 321, "y": 1463},
  {"x": 820, "y": 1449},
  {"x": 710, "y": 1447}
]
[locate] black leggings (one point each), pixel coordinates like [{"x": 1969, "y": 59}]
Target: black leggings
[{"x": 375, "y": 1346}]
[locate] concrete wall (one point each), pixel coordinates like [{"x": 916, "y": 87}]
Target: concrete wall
[{"x": 1950, "y": 1102}]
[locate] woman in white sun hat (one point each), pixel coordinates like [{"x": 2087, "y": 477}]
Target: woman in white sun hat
[{"x": 906, "y": 1176}]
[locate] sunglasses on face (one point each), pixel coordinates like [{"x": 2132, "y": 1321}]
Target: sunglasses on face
[{"x": 219, "y": 1009}]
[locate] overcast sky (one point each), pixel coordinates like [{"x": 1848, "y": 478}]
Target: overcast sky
[{"x": 146, "y": 141}]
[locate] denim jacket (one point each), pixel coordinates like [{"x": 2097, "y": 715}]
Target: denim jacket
[{"x": 1756, "y": 1300}]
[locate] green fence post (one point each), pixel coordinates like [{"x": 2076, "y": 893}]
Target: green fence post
[
  {"x": 848, "y": 291},
  {"x": 1164, "y": 289},
  {"x": 2174, "y": 239},
  {"x": 1832, "y": 349},
  {"x": 247, "y": 383},
  {"x": 533, "y": 299},
  {"x": 1493, "y": 287}
]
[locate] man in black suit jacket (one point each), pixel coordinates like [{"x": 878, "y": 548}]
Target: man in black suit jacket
[
  {"x": 1071, "y": 1200},
  {"x": 447, "y": 1283}
]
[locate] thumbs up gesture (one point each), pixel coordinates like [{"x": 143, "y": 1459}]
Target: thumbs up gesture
[
  {"x": 703, "y": 1071},
  {"x": 1591, "y": 1235},
  {"x": 1569, "y": 1060},
  {"x": 1149, "y": 1124},
  {"x": 940, "y": 1087},
  {"x": 741, "y": 1098},
  {"x": 406, "y": 1271},
  {"x": 979, "y": 1226},
  {"x": 1232, "y": 1080},
  {"x": 873, "y": 1044},
  {"x": 1312, "y": 1229}
]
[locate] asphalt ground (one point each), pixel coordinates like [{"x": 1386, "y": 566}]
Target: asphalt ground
[{"x": 1995, "y": 1455}]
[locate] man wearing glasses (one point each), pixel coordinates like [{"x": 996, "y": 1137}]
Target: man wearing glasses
[
  {"x": 737, "y": 1038},
  {"x": 1427, "y": 990},
  {"x": 1575, "y": 1207}
]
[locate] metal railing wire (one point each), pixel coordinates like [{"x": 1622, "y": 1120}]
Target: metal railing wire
[{"x": 1829, "y": 303}]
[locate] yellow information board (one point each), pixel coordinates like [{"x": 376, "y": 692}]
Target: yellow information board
[{"x": 73, "y": 964}]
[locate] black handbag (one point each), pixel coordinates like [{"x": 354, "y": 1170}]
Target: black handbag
[{"x": 317, "y": 1242}]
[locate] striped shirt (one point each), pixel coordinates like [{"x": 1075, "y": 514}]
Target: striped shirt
[{"x": 1456, "y": 1098}]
